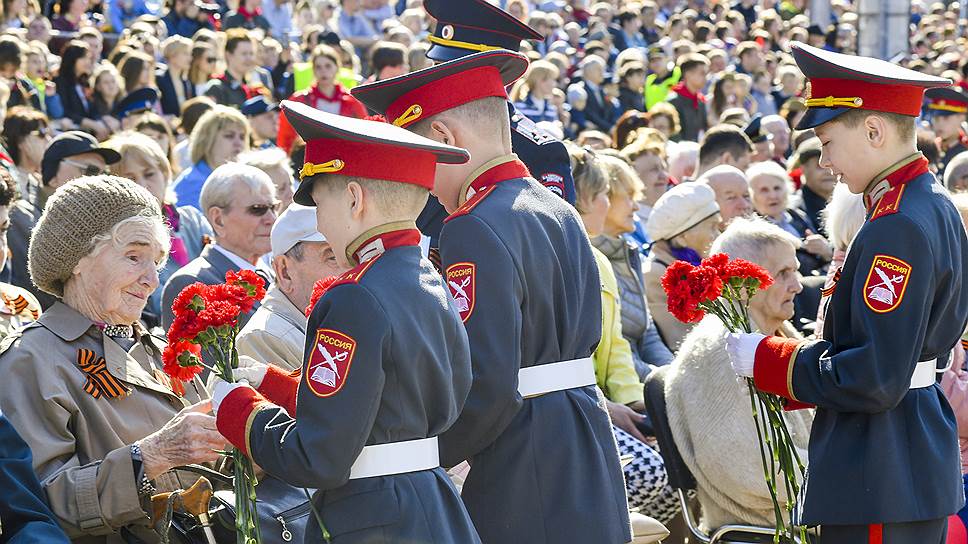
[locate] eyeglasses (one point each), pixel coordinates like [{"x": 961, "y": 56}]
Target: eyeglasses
[
  {"x": 211, "y": 59},
  {"x": 86, "y": 169},
  {"x": 258, "y": 210}
]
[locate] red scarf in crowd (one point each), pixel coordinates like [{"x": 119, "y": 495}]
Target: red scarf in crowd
[
  {"x": 249, "y": 15},
  {"x": 681, "y": 90},
  {"x": 315, "y": 94}
]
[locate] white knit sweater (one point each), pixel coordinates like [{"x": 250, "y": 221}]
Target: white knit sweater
[{"x": 712, "y": 423}]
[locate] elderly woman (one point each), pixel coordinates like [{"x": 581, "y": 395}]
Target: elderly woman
[
  {"x": 220, "y": 135},
  {"x": 646, "y": 481},
  {"x": 638, "y": 328},
  {"x": 844, "y": 215},
  {"x": 144, "y": 162},
  {"x": 683, "y": 224},
  {"x": 770, "y": 194},
  {"x": 84, "y": 384},
  {"x": 709, "y": 413}
]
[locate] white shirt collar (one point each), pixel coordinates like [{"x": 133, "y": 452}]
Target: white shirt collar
[{"x": 239, "y": 261}]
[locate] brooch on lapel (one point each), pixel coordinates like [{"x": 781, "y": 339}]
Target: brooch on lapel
[{"x": 99, "y": 380}]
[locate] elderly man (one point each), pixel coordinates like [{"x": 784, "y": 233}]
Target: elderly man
[
  {"x": 70, "y": 155},
  {"x": 277, "y": 330},
  {"x": 708, "y": 412},
  {"x": 732, "y": 191},
  {"x": 724, "y": 144},
  {"x": 956, "y": 174},
  {"x": 240, "y": 203}
]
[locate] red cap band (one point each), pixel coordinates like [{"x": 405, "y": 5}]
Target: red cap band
[
  {"x": 886, "y": 97},
  {"x": 372, "y": 161},
  {"x": 446, "y": 93}
]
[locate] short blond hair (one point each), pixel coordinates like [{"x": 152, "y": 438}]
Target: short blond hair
[
  {"x": 644, "y": 144},
  {"x": 207, "y": 129},
  {"x": 139, "y": 147},
  {"x": 175, "y": 44}
]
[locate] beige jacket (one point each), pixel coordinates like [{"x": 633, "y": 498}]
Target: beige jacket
[
  {"x": 276, "y": 332},
  {"x": 81, "y": 444},
  {"x": 712, "y": 424},
  {"x": 671, "y": 329}
]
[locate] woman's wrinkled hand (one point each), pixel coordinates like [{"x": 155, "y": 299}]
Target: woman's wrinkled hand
[{"x": 189, "y": 437}]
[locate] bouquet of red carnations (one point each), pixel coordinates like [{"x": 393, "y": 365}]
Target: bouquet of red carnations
[
  {"x": 724, "y": 287},
  {"x": 207, "y": 319}
]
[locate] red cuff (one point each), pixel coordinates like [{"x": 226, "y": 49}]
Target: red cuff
[
  {"x": 280, "y": 387},
  {"x": 235, "y": 415},
  {"x": 773, "y": 368}
]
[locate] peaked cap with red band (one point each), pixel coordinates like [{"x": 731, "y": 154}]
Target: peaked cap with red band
[
  {"x": 840, "y": 83},
  {"x": 406, "y": 99},
  {"x": 946, "y": 101},
  {"x": 366, "y": 149}
]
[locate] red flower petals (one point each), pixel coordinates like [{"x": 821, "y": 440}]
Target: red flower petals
[
  {"x": 182, "y": 360},
  {"x": 319, "y": 289}
]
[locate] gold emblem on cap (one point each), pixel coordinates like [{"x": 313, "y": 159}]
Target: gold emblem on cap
[
  {"x": 410, "y": 115},
  {"x": 447, "y": 32},
  {"x": 310, "y": 169}
]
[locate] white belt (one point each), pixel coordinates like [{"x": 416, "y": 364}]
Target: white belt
[
  {"x": 396, "y": 458},
  {"x": 547, "y": 378},
  {"x": 925, "y": 374}
]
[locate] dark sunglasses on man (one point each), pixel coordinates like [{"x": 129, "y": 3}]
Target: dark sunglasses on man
[
  {"x": 87, "y": 169},
  {"x": 258, "y": 210}
]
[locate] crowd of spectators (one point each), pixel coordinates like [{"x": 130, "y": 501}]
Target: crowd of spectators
[{"x": 679, "y": 116}]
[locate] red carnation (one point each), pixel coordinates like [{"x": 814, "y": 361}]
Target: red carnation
[
  {"x": 233, "y": 293},
  {"x": 750, "y": 271},
  {"x": 319, "y": 289},
  {"x": 191, "y": 299},
  {"x": 704, "y": 284},
  {"x": 252, "y": 282},
  {"x": 682, "y": 302},
  {"x": 219, "y": 313},
  {"x": 182, "y": 360},
  {"x": 720, "y": 263},
  {"x": 186, "y": 326}
]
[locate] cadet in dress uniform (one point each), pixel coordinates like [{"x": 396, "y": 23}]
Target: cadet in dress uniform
[
  {"x": 946, "y": 108},
  {"x": 884, "y": 458},
  {"x": 465, "y": 27},
  {"x": 387, "y": 366},
  {"x": 544, "y": 465}
]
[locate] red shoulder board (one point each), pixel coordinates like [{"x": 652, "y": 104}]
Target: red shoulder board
[
  {"x": 470, "y": 204},
  {"x": 352, "y": 275},
  {"x": 890, "y": 203}
]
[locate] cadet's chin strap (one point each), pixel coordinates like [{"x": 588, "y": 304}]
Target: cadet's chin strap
[
  {"x": 480, "y": 47},
  {"x": 835, "y": 102},
  {"x": 310, "y": 169}
]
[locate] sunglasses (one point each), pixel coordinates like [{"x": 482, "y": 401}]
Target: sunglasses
[
  {"x": 86, "y": 169},
  {"x": 258, "y": 210}
]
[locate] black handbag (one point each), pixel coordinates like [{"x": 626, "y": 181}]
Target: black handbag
[{"x": 283, "y": 512}]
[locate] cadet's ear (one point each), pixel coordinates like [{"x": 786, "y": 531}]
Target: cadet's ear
[
  {"x": 440, "y": 132},
  {"x": 875, "y": 127},
  {"x": 357, "y": 199}
]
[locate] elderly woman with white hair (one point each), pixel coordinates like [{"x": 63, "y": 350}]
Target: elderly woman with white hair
[
  {"x": 770, "y": 193},
  {"x": 844, "y": 215},
  {"x": 683, "y": 224},
  {"x": 709, "y": 412},
  {"x": 84, "y": 384},
  {"x": 144, "y": 162}
]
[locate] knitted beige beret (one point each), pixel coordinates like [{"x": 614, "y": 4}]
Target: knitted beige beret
[{"x": 75, "y": 214}]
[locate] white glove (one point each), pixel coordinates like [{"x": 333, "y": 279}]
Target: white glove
[
  {"x": 221, "y": 390},
  {"x": 251, "y": 371},
  {"x": 741, "y": 348}
]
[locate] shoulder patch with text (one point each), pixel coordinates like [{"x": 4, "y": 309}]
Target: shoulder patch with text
[
  {"x": 555, "y": 182},
  {"x": 461, "y": 282},
  {"x": 886, "y": 282},
  {"x": 329, "y": 363}
]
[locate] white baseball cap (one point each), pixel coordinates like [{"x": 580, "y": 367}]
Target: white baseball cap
[{"x": 296, "y": 224}]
